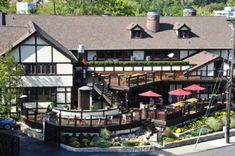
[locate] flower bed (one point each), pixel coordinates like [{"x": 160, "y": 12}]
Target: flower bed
[
  {"x": 203, "y": 126},
  {"x": 103, "y": 140}
]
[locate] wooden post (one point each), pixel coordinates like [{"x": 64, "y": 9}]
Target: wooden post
[
  {"x": 137, "y": 83},
  {"x": 161, "y": 75},
  {"x": 35, "y": 115},
  {"x": 131, "y": 116},
  {"x": 174, "y": 75},
  {"x": 119, "y": 80},
  {"x": 187, "y": 74},
  {"x": 154, "y": 76},
  {"x": 106, "y": 119},
  {"x": 109, "y": 76},
  {"x": 165, "y": 115},
  {"x": 75, "y": 121},
  {"x": 129, "y": 80},
  {"x": 120, "y": 119},
  {"x": 140, "y": 114},
  {"x": 27, "y": 114},
  {"x": 90, "y": 120},
  {"x": 60, "y": 119},
  {"x": 200, "y": 74},
  {"x": 145, "y": 77}
]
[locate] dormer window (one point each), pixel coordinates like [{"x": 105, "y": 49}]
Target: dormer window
[
  {"x": 182, "y": 30},
  {"x": 135, "y": 30}
]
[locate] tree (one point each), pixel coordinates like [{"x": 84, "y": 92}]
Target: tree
[
  {"x": 230, "y": 3},
  {"x": 10, "y": 83},
  {"x": 3, "y": 4}
]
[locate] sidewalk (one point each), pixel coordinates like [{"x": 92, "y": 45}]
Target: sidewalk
[{"x": 203, "y": 146}]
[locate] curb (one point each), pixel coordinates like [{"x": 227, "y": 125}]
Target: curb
[{"x": 110, "y": 149}]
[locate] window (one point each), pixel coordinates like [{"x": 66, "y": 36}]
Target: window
[
  {"x": 33, "y": 69},
  {"x": 136, "y": 33},
  {"x": 183, "y": 33},
  {"x": 40, "y": 94}
]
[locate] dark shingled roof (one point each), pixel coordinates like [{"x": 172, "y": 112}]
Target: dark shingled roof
[
  {"x": 100, "y": 32},
  {"x": 200, "y": 59},
  {"x": 28, "y": 31}
]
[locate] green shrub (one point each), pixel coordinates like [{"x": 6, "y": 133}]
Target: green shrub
[
  {"x": 168, "y": 140},
  {"x": 72, "y": 139},
  {"x": 75, "y": 144},
  {"x": 85, "y": 142},
  {"x": 116, "y": 143},
  {"x": 232, "y": 122},
  {"x": 131, "y": 63},
  {"x": 214, "y": 124},
  {"x": 127, "y": 143},
  {"x": 203, "y": 131},
  {"x": 105, "y": 133},
  {"x": 100, "y": 142}
]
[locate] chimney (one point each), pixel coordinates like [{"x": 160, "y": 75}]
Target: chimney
[
  {"x": 189, "y": 11},
  {"x": 2, "y": 19},
  {"x": 153, "y": 18}
]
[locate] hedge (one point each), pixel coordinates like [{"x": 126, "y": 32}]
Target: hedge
[{"x": 132, "y": 63}]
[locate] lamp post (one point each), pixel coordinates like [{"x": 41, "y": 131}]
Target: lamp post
[{"x": 171, "y": 55}]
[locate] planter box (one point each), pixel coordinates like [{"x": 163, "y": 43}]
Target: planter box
[{"x": 208, "y": 137}]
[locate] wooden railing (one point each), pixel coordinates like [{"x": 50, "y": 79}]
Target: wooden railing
[
  {"x": 94, "y": 118},
  {"x": 132, "y": 80}
]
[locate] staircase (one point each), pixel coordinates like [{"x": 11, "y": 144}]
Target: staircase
[{"x": 103, "y": 89}]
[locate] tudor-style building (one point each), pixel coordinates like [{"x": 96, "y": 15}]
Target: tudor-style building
[
  {"x": 48, "y": 66},
  {"x": 48, "y": 46}
]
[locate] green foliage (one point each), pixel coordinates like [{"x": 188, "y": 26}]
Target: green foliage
[
  {"x": 105, "y": 133},
  {"x": 128, "y": 143},
  {"x": 214, "y": 124},
  {"x": 132, "y": 63},
  {"x": 203, "y": 131},
  {"x": 100, "y": 142},
  {"x": 75, "y": 144},
  {"x": 10, "y": 83}
]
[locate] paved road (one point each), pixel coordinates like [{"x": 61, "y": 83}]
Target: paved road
[
  {"x": 32, "y": 147},
  {"x": 222, "y": 151}
]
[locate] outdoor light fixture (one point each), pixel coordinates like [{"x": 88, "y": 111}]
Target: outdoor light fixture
[
  {"x": 170, "y": 55},
  {"x": 81, "y": 48}
]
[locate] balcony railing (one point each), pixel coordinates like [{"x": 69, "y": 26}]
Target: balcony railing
[{"x": 136, "y": 79}]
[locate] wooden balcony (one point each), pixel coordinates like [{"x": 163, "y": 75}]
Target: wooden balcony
[{"x": 126, "y": 80}]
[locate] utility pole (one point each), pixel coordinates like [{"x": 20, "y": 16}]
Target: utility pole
[{"x": 228, "y": 104}]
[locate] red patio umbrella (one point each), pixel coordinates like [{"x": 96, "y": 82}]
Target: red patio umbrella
[
  {"x": 150, "y": 94},
  {"x": 179, "y": 92},
  {"x": 194, "y": 87}
]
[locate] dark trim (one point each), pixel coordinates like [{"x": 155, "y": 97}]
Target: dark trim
[
  {"x": 37, "y": 45},
  {"x": 52, "y": 54},
  {"x": 19, "y": 54},
  {"x": 36, "y": 50}
]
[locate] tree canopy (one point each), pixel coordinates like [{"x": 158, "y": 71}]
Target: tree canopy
[
  {"x": 10, "y": 83},
  {"x": 121, "y": 7}
]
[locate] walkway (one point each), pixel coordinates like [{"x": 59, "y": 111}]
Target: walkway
[{"x": 209, "y": 145}]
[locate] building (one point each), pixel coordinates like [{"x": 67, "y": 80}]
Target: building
[
  {"x": 48, "y": 48},
  {"x": 228, "y": 12}
]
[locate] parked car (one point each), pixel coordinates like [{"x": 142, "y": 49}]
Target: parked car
[{"x": 7, "y": 123}]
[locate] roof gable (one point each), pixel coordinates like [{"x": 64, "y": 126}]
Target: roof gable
[
  {"x": 35, "y": 29},
  {"x": 181, "y": 26}
]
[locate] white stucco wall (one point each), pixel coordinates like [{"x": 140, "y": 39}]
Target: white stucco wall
[
  {"x": 59, "y": 57},
  {"x": 28, "y": 54},
  {"x": 15, "y": 54},
  {"x": 64, "y": 69},
  {"x": 47, "y": 81},
  {"x": 44, "y": 53}
]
